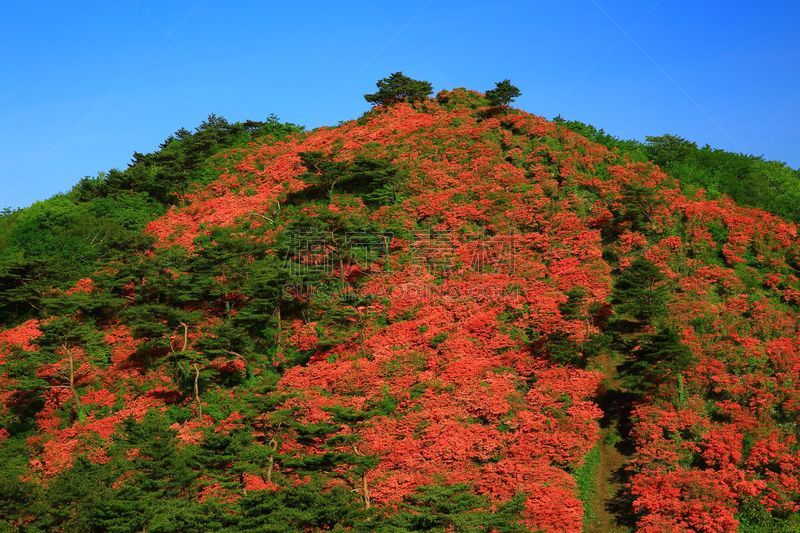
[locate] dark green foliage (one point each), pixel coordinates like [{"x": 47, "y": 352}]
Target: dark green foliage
[
  {"x": 503, "y": 94},
  {"x": 755, "y": 518},
  {"x": 71, "y": 500},
  {"x": 160, "y": 474},
  {"x": 219, "y": 452},
  {"x": 640, "y": 292},
  {"x": 564, "y": 350},
  {"x": 63, "y": 340},
  {"x": 572, "y": 309},
  {"x": 639, "y": 203},
  {"x": 66, "y": 331},
  {"x": 310, "y": 506},
  {"x": 165, "y": 286},
  {"x": 161, "y": 467},
  {"x": 343, "y": 315},
  {"x": 342, "y": 456},
  {"x": 323, "y": 173},
  {"x": 17, "y": 497},
  {"x": 269, "y": 301},
  {"x": 667, "y": 150},
  {"x": 640, "y": 299},
  {"x": 454, "y": 508},
  {"x": 399, "y": 88},
  {"x": 379, "y": 181},
  {"x": 461, "y": 97},
  {"x": 26, "y": 387},
  {"x": 660, "y": 358},
  {"x": 375, "y": 181},
  {"x": 131, "y": 511},
  {"x": 156, "y": 495},
  {"x": 438, "y": 339},
  {"x": 98, "y": 306}
]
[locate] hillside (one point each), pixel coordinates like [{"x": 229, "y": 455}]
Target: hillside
[
  {"x": 441, "y": 316},
  {"x": 749, "y": 180}
]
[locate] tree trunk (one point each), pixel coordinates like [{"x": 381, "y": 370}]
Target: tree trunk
[
  {"x": 365, "y": 490},
  {"x": 185, "y": 336},
  {"x": 197, "y": 390},
  {"x": 273, "y": 445},
  {"x": 330, "y": 192},
  {"x": 364, "y": 484},
  {"x": 279, "y": 324},
  {"x": 73, "y": 389}
]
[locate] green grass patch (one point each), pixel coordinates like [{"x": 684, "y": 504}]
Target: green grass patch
[{"x": 586, "y": 476}]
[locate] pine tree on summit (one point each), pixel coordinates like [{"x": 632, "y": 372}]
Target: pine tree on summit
[
  {"x": 503, "y": 94},
  {"x": 399, "y": 88}
]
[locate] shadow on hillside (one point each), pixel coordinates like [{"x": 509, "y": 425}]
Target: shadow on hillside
[
  {"x": 621, "y": 505},
  {"x": 617, "y": 406}
]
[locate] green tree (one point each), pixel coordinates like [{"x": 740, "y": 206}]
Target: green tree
[
  {"x": 18, "y": 499},
  {"x": 305, "y": 507},
  {"x": 660, "y": 358},
  {"x": 637, "y": 207},
  {"x": 69, "y": 501},
  {"x": 399, "y": 88},
  {"x": 640, "y": 292},
  {"x": 69, "y": 344},
  {"x": 503, "y": 94},
  {"x": 665, "y": 150},
  {"x": 455, "y": 508},
  {"x": 377, "y": 182},
  {"x": 161, "y": 467},
  {"x": 323, "y": 173},
  {"x": 153, "y": 485},
  {"x": 359, "y": 463},
  {"x": 219, "y": 453}
]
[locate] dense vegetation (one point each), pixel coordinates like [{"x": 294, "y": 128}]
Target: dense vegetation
[
  {"x": 61, "y": 240},
  {"x": 404, "y": 323},
  {"x": 748, "y": 179}
]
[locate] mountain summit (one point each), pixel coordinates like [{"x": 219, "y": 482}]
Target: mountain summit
[{"x": 445, "y": 315}]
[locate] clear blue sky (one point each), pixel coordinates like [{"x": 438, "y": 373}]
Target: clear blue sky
[{"x": 84, "y": 84}]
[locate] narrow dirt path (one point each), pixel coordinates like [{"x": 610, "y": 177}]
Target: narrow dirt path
[{"x": 611, "y": 508}]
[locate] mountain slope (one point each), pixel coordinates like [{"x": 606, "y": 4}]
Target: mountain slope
[{"x": 402, "y": 323}]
